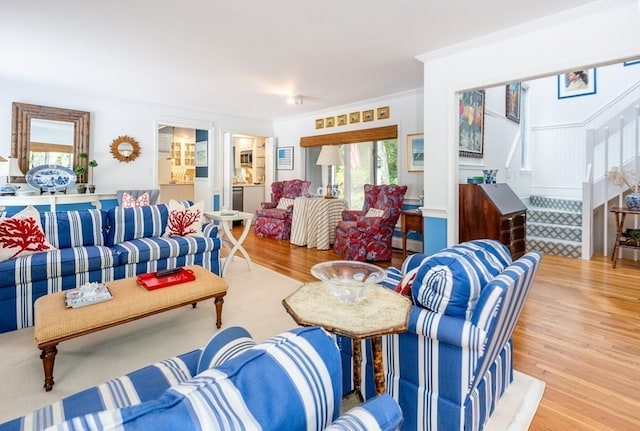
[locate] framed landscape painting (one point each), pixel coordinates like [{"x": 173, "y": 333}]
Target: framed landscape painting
[
  {"x": 512, "y": 102},
  {"x": 284, "y": 160},
  {"x": 415, "y": 152},
  {"x": 577, "y": 83},
  {"x": 471, "y": 124}
]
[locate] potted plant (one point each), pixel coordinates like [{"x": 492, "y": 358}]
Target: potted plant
[
  {"x": 92, "y": 164},
  {"x": 80, "y": 171},
  {"x": 620, "y": 178}
]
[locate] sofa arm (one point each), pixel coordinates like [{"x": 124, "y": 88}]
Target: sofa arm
[
  {"x": 210, "y": 230},
  {"x": 267, "y": 205},
  {"x": 379, "y": 413},
  {"x": 447, "y": 329}
]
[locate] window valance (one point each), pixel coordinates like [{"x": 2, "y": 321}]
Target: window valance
[{"x": 355, "y": 136}]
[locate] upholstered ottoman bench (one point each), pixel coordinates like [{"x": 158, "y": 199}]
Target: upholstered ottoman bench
[{"x": 55, "y": 323}]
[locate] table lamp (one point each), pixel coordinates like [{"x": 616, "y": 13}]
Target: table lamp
[
  {"x": 329, "y": 157},
  {"x": 9, "y": 168}
]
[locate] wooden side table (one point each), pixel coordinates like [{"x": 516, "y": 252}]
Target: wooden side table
[
  {"x": 620, "y": 214},
  {"x": 410, "y": 221},
  {"x": 381, "y": 312}
]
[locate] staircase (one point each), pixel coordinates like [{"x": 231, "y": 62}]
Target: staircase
[{"x": 554, "y": 226}]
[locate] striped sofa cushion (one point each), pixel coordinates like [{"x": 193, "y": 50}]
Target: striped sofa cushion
[
  {"x": 137, "y": 387},
  {"x": 289, "y": 382},
  {"x": 133, "y": 223},
  {"x": 65, "y": 229}
]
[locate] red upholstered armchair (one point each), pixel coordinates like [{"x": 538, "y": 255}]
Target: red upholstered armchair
[
  {"x": 367, "y": 234},
  {"x": 274, "y": 219}
]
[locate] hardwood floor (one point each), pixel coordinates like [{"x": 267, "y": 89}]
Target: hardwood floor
[{"x": 579, "y": 332}]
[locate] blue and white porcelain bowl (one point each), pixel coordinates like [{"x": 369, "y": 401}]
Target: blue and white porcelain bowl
[{"x": 8, "y": 188}]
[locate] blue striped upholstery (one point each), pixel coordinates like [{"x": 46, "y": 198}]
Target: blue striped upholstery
[
  {"x": 145, "y": 384},
  {"x": 82, "y": 239},
  {"x": 288, "y": 382},
  {"x": 447, "y": 372}
]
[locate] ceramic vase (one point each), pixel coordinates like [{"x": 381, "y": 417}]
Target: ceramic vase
[
  {"x": 490, "y": 175},
  {"x": 633, "y": 201}
]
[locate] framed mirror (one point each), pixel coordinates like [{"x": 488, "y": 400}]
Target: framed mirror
[
  {"x": 48, "y": 135},
  {"x": 125, "y": 148}
]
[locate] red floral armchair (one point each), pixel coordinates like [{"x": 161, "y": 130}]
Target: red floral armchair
[
  {"x": 367, "y": 234},
  {"x": 274, "y": 219}
]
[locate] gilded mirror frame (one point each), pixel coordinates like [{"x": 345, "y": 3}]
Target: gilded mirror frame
[
  {"x": 21, "y": 131},
  {"x": 118, "y": 154}
]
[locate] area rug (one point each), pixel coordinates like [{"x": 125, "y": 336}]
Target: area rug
[{"x": 252, "y": 301}]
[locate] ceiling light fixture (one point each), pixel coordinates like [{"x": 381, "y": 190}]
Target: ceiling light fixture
[{"x": 295, "y": 100}]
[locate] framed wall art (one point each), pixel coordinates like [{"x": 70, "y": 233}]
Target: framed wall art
[
  {"x": 329, "y": 122},
  {"x": 383, "y": 113},
  {"x": 367, "y": 115},
  {"x": 415, "y": 152},
  {"x": 201, "y": 154},
  {"x": 284, "y": 161},
  {"x": 471, "y": 124},
  {"x": 342, "y": 119},
  {"x": 512, "y": 101},
  {"x": 319, "y": 123},
  {"x": 354, "y": 117},
  {"x": 577, "y": 83}
]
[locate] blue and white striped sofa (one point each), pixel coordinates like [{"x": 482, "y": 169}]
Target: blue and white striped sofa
[
  {"x": 97, "y": 245},
  {"x": 449, "y": 369},
  {"x": 290, "y": 382}
]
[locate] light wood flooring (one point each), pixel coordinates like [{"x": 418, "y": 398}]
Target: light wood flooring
[{"x": 579, "y": 332}]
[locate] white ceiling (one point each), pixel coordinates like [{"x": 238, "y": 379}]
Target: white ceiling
[{"x": 243, "y": 57}]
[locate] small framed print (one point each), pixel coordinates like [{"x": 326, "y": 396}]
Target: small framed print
[
  {"x": 354, "y": 117},
  {"x": 577, "y": 83},
  {"x": 415, "y": 152},
  {"x": 512, "y": 101},
  {"x": 320, "y": 123},
  {"x": 383, "y": 113},
  {"x": 367, "y": 115},
  {"x": 342, "y": 119},
  {"x": 329, "y": 122},
  {"x": 284, "y": 161}
]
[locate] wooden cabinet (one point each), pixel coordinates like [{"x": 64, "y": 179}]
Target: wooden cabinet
[{"x": 492, "y": 211}]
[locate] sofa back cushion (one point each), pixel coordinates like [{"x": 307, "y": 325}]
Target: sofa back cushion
[
  {"x": 65, "y": 229},
  {"x": 126, "y": 224}
]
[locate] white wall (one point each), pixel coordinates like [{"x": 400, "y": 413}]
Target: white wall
[
  {"x": 536, "y": 49},
  {"x": 405, "y": 110},
  {"x": 111, "y": 118}
]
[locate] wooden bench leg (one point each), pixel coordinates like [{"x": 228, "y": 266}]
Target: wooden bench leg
[
  {"x": 48, "y": 357},
  {"x": 218, "y": 302}
]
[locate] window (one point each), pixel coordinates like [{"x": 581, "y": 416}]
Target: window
[{"x": 374, "y": 162}]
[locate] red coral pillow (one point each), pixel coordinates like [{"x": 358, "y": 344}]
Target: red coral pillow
[
  {"x": 128, "y": 201},
  {"x": 404, "y": 287},
  {"x": 185, "y": 221},
  {"x": 22, "y": 235}
]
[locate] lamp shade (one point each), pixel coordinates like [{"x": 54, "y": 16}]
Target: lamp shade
[
  {"x": 329, "y": 156},
  {"x": 14, "y": 169}
]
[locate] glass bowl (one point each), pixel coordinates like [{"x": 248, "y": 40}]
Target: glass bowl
[{"x": 348, "y": 280}]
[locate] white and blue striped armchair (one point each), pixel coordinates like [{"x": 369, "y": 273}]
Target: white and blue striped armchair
[
  {"x": 289, "y": 382},
  {"x": 452, "y": 365}
]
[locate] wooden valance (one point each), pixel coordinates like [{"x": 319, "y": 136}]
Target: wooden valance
[{"x": 353, "y": 137}]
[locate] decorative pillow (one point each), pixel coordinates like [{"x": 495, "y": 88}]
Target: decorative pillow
[
  {"x": 22, "y": 235},
  {"x": 284, "y": 203},
  {"x": 404, "y": 287},
  {"x": 128, "y": 201},
  {"x": 448, "y": 283},
  {"x": 185, "y": 221},
  {"x": 374, "y": 212}
]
